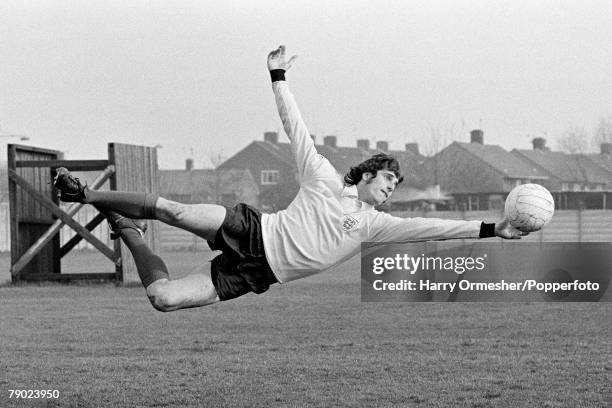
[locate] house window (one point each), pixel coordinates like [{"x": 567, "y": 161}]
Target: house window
[
  {"x": 496, "y": 202},
  {"x": 576, "y": 187},
  {"x": 509, "y": 184},
  {"x": 473, "y": 204},
  {"x": 564, "y": 186},
  {"x": 269, "y": 176}
]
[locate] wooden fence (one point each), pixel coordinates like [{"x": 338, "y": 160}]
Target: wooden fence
[
  {"x": 82, "y": 217},
  {"x": 566, "y": 226},
  {"x": 171, "y": 239},
  {"x": 5, "y": 227}
]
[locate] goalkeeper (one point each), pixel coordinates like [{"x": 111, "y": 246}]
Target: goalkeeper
[{"x": 323, "y": 226}]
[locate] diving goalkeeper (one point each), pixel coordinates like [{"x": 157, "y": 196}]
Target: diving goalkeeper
[{"x": 323, "y": 226}]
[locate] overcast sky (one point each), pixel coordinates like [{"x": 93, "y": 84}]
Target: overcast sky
[{"x": 191, "y": 75}]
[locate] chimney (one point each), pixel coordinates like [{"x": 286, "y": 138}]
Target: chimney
[
  {"x": 189, "y": 164},
  {"x": 271, "y": 137},
  {"x": 363, "y": 144},
  {"x": 382, "y": 145},
  {"x": 412, "y": 147},
  {"x": 477, "y": 136},
  {"x": 539, "y": 143},
  {"x": 606, "y": 148},
  {"x": 330, "y": 141}
]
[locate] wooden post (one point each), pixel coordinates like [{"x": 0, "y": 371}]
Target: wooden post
[
  {"x": 135, "y": 170},
  {"x": 29, "y": 218}
]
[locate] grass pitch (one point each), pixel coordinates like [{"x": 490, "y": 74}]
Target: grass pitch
[{"x": 308, "y": 343}]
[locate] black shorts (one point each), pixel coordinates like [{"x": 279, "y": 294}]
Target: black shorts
[{"x": 242, "y": 266}]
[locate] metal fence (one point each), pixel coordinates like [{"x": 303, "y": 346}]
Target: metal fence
[{"x": 566, "y": 226}]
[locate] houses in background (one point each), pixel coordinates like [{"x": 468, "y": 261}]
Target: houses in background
[
  {"x": 273, "y": 167},
  {"x": 479, "y": 176},
  {"x": 196, "y": 186},
  {"x": 462, "y": 176},
  {"x": 576, "y": 180},
  {"x": 604, "y": 157}
]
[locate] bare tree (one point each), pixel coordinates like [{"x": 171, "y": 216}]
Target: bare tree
[
  {"x": 574, "y": 141},
  {"x": 603, "y": 131},
  {"x": 439, "y": 136},
  {"x": 216, "y": 157}
]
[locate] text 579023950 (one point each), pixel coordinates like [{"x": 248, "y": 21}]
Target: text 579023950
[{"x": 34, "y": 394}]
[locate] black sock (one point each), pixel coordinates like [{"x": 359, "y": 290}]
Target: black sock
[
  {"x": 150, "y": 266},
  {"x": 128, "y": 204}
]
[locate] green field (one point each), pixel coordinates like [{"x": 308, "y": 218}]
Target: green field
[{"x": 307, "y": 343}]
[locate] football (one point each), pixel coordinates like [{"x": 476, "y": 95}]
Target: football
[{"x": 529, "y": 207}]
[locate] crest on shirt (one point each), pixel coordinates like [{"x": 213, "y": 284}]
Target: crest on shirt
[{"x": 349, "y": 223}]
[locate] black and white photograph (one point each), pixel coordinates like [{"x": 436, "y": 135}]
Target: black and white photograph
[{"x": 210, "y": 203}]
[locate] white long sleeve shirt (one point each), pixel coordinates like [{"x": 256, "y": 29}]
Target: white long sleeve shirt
[{"x": 326, "y": 222}]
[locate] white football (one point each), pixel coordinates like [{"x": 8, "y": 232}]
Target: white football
[{"x": 529, "y": 207}]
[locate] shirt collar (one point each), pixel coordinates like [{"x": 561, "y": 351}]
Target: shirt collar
[{"x": 351, "y": 192}]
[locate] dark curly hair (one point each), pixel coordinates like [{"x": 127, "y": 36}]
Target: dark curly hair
[{"x": 380, "y": 161}]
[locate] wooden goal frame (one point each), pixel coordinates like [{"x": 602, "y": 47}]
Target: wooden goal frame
[{"x": 36, "y": 217}]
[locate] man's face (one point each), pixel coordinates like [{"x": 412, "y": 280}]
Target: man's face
[{"x": 376, "y": 190}]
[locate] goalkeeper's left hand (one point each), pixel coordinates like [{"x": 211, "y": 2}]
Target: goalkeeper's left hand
[
  {"x": 504, "y": 229},
  {"x": 276, "y": 59}
]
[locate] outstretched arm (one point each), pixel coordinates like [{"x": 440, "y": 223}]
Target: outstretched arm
[
  {"x": 309, "y": 163},
  {"x": 389, "y": 228}
]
